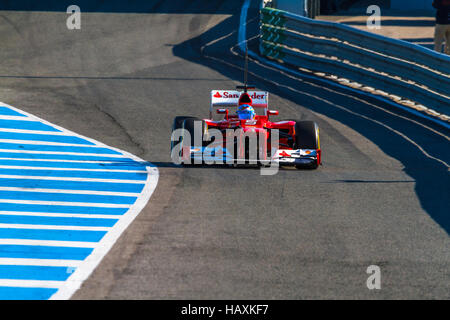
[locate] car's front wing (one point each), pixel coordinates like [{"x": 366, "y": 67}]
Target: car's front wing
[{"x": 284, "y": 157}]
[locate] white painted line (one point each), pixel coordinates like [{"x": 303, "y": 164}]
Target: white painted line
[
  {"x": 64, "y": 203},
  {"x": 72, "y": 169},
  {"x": 73, "y": 179},
  {"x": 99, "y": 193},
  {"x": 119, "y": 156},
  {"x": 39, "y": 262},
  {"x": 31, "y": 283},
  {"x": 52, "y": 227},
  {"x": 49, "y": 243},
  {"x": 2, "y": 117},
  {"x": 60, "y": 215},
  {"x": 367, "y": 94},
  {"x": 47, "y": 143},
  {"x": 48, "y": 133},
  {"x": 65, "y": 161}
]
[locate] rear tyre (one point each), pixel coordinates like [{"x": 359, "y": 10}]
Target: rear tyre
[
  {"x": 189, "y": 126},
  {"x": 177, "y": 124},
  {"x": 307, "y": 137}
]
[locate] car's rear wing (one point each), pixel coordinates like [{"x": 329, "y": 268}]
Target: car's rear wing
[{"x": 230, "y": 98}]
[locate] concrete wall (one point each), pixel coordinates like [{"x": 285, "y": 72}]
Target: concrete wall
[{"x": 412, "y": 4}]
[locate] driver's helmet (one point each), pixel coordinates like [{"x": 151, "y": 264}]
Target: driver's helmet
[{"x": 246, "y": 112}]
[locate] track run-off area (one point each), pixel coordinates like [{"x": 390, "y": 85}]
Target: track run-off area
[
  {"x": 208, "y": 232},
  {"x": 64, "y": 201}
]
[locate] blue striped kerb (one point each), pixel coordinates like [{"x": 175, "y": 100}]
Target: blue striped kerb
[{"x": 60, "y": 194}]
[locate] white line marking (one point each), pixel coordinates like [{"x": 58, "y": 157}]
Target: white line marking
[
  {"x": 379, "y": 122},
  {"x": 48, "y": 143},
  {"x": 73, "y": 179},
  {"x": 30, "y": 131},
  {"x": 71, "y": 169},
  {"x": 31, "y": 283},
  {"x": 60, "y": 215},
  {"x": 421, "y": 149},
  {"x": 49, "y": 243},
  {"x": 17, "y": 118},
  {"x": 51, "y": 227},
  {"x": 39, "y": 262},
  {"x": 64, "y": 203},
  {"x": 99, "y": 193},
  {"x": 125, "y": 163},
  {"x": 119, "y": 156}
]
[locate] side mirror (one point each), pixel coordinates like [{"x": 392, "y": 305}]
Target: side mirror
[
  {"x": 272, "y": 112},
  {"x": 222, "y": 111}
]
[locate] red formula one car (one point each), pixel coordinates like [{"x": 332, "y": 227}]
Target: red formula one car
[{"x": 243, "y": 136}]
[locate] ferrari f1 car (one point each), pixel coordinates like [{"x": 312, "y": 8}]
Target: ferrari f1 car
[{"x": 229, "y": 140}]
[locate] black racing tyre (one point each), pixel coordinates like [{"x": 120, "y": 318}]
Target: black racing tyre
[
  {"x": 177, "y": 124},
  {"x": 189, "y": 126},
  {"x": 307, "y": 137}
]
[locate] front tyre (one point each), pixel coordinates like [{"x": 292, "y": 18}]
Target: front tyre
[{"x": 307, "y": 137}]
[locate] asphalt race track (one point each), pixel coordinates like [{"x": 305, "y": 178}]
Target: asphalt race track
[{"x": 380, "y": 198}]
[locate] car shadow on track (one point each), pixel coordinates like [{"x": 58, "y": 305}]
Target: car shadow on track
[
  {"x": 163, "y": 164},
  {"x": 414, "y": 146}
]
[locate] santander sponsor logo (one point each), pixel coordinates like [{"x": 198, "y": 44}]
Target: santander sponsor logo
[
  {"x": 233, "y": 95},
  {"x": 257, "y": 96},
  {"x": 229, "y": 95}
]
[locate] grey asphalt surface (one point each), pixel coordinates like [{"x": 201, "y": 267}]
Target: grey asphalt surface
[{"x": 380, "y": 198}]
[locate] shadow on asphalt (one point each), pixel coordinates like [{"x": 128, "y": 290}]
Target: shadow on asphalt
[
  {"x": 110, "y": 78},
  {"x": 432, "y": 179},
  {"x": 129, "y": 6},
  {"x": 162, "y": 164}
]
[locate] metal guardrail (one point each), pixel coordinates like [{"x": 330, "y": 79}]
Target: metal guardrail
[{"x": 395, "y": 66}]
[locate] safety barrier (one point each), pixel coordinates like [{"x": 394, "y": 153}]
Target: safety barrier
[{"x": 400, "y": 68}]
